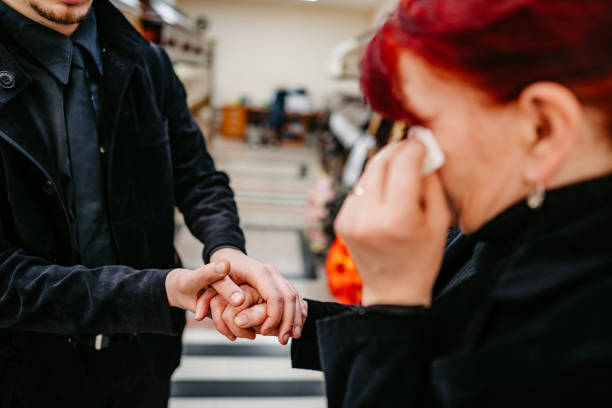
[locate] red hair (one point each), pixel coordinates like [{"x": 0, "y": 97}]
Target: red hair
[{"x": 500, "y": 46}]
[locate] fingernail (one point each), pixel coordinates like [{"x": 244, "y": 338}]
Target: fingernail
[
  {"x": 286, "y": 338},
  {"x": 241, "y": 321},
  {"x": 237, "y": 298},
  {"x": 221, "y": 267},
  {"x": 297, "y": 331}
]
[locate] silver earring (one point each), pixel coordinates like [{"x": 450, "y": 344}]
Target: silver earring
[{"x": 536, "y": 198}]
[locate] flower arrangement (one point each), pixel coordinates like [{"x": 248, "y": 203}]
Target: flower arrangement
[
  {"x": 343, "y": 279},
  {"x": 317, "y": 215},
  {"x": 323, "y": 205}
]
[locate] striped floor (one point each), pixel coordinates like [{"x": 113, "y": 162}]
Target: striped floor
[
  {"x": 271, "y": 186},
  {"x": 217, "y": 373}
]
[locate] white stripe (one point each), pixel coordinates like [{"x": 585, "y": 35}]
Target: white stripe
[
  {"x": 241, "y": 369},
  {"x": 210, "y": 336},
  {"x": 317, "y": 402}
]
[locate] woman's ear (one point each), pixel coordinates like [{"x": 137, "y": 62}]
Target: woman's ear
[{"x": 554, "y": 117}]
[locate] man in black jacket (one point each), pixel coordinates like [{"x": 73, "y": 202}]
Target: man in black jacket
[{"x": 97, "y": 148}]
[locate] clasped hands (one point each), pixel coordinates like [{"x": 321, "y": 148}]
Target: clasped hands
[
  {"x": 242, "y": 296},
  {"x": 395, "y": 228}
]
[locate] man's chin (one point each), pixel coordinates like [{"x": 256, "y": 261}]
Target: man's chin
[{"x": 64, "y": 14}]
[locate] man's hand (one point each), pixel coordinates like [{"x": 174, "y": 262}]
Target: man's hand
[
  {"x": 284, "y": 309},
  {"x": 185, "y": 287}
]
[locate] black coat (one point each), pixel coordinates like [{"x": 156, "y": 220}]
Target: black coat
[
  {"x": 155, "y": 159},
  {"x": 531, "y": 327}
]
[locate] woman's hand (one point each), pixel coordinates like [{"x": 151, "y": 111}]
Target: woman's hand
[
  {"x": 256, "y": 315},
  {"x": 246, "y": 320},
  {"x": 395, "y": 226},
  {"x": 223, "y": 314},
  {"x": 282, "y": 301}
]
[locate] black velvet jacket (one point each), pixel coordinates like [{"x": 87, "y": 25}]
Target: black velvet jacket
[
  {"x": 154, "y": 159},
  {"x": 530, "y": 327}
]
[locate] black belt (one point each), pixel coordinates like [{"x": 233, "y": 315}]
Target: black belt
[
  {"x": 96, "y": 342},
  {"x": 99, "y": 341}
]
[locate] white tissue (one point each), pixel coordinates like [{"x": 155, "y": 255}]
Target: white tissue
[{"x": 434, "y": 159}]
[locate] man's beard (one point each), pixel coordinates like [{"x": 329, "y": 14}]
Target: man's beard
[{"x": 64, "y": 19}]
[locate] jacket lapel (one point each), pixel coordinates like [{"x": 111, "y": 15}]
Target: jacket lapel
[
  {"x": 122, "y": 49},
  {"x": 122, "y": 46},
  {"x": 16, "y": 122},
  {"x": 118, "y": 70}
]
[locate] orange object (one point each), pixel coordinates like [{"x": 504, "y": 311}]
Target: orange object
[
  {"x": 234, "y": 121},
  {"x": 344, "y": 281}
]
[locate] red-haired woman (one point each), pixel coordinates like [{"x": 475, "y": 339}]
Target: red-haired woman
[{"x": 517, "y": 311}]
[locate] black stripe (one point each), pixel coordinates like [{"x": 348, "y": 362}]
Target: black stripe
[
  {"x": 235, "y": 350},
  {"x": 268, "y": 228},
  {"x": 307, "y": 258},
  {"x": 243, "y": 389}
]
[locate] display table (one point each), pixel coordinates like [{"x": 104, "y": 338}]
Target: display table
[{"x": 295, "y": 125}]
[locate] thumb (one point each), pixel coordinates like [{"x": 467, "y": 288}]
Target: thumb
[
  {"x": 254, "y": 316},
  {"x": 211, "y": 273}
]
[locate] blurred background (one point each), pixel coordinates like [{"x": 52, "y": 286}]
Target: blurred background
[{"x": 274, "y": 85}]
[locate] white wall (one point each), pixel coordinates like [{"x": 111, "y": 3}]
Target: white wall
[
  {"x": 261, "y": 47},
  {"x": 383, "y": 11}
]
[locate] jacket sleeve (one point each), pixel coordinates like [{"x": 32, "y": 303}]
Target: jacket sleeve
[
  {"x": 376, "y": 356},
  {"x": 38, "y": 296},
  {"x": 203, "y": 194},
  {"x": 305, "y": 350}
]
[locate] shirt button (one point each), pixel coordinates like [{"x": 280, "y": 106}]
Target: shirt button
[
  {"x": 102, "y": 150},
  {"x": 48, "y": 187},
  {"x": 7, "y": 79}
]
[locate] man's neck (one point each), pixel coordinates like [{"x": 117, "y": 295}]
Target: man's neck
[{"x": 21, "y": 7}]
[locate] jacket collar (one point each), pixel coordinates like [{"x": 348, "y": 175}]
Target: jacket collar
[
  {"x": 124, "y": 47},
  {"x": 561, "y": 207},
  {"x": 117, "y": 35},
  {"x": 50, "y": 48},
  {"x": 116, "y": 32}
]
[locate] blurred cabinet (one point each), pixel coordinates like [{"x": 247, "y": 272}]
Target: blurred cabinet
[{"x": 234, "y": 120}]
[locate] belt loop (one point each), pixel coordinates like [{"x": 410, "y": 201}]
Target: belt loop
[
  {"x": 101, "y": 342},
  {"x": 98, "y": 345}
]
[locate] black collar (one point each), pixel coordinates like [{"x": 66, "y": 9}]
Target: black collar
[
  {"x": 87, "y": 37},
  {"x": 116, "y": 31},
  {"x": 562, "y": 206},
  {"x": 50, "y": 48}
]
